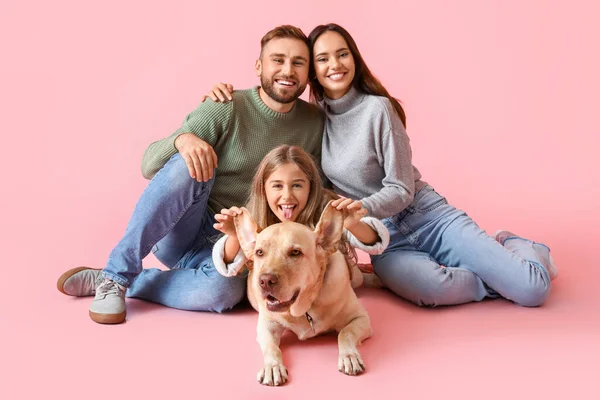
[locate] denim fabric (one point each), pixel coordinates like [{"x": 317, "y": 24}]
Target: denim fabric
[
  {"x": 171, "y": 218},
  {"x": 439, "y": 256}
]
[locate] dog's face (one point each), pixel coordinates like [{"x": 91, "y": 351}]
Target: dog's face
[{"x": 289, "y": 259}]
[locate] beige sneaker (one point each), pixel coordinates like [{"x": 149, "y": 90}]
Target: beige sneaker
[
  {"x": 80, "y": 281},
  {"x": 108, "y": 306}
]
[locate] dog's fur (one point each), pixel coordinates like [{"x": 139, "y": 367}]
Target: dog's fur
[{"x": 299, "y": 281}]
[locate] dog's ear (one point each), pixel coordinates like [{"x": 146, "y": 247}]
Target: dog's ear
[
  {"x": 246, "y": 230},
  {"x": 329, "y": 229}
]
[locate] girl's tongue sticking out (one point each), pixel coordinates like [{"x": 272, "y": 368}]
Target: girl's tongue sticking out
[{"x": 287, "y": 212}]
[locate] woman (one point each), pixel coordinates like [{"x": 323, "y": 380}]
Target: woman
[{"x": 437, "y": 254}]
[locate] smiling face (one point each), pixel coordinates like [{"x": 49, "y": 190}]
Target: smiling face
[
  {"x": 283, "y": 71},
  {"x": 334, "y": 64},
  {"x": 287, "y": 190}
]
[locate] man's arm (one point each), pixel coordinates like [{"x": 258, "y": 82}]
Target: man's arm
[
  {"x": 194, "y": 140},
  {"x": 199, "y": 156},
  {"x": 157, "y": 155}
]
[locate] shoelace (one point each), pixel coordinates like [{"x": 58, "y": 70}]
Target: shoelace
[
  {"x": 98, "y": 280},
  {"x": 109, "y": 287}
]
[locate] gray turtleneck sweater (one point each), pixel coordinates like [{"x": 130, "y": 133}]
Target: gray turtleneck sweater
[{"x": 366, "y": 153}]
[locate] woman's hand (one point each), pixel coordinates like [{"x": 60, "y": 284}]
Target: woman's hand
[
  {"x": 354, "y": 208},
  {"x": 225, "y": 221},
  {"x": 220, "y": 92}
]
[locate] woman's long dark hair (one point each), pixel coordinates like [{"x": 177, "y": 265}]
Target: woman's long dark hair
[{"x": 364, "y": 81}]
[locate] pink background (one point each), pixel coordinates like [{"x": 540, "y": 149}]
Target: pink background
[{"x": 502, "y": 100}]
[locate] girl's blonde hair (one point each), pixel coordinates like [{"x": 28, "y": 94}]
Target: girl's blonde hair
[{"x": 318, "y": 196}]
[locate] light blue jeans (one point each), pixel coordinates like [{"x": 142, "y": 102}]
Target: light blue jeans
[
  {"x": 172, "y": 219},
  {"x": 430, "y": 234}
]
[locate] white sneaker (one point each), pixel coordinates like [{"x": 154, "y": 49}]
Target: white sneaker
[
  {"x": 80, "y": 281},
  {"x": 108, "y": 306}
]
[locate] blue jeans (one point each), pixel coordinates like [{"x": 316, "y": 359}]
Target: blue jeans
[
  {"x": 430, "y": 234},
  {"x": 172, "y": 219}
]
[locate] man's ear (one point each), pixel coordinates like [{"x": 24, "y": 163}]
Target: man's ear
[
  {"x": 258, "y": 67},
  {"x": 329, "y": 229},
  {"x": 246, "y": 230}
]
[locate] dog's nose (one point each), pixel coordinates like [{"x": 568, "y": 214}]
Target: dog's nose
[{"x": 267, "y": 281}]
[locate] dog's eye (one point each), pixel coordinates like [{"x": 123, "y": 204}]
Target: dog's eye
[
  {"x": 295, "y": 253},
  {"x": 259, "y": 252}
]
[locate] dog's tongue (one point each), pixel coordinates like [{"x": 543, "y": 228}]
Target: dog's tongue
[{"x": 287, "y": 213}]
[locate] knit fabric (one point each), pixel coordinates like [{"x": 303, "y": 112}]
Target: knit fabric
[
  {"x": 367, "y": 154},
  {"x": 241, "y": 132}
]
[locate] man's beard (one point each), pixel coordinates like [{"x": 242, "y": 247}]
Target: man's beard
[{"x": 284, "y": 96}]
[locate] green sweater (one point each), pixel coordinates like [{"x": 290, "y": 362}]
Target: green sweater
[{"x": 241, "y": 132}]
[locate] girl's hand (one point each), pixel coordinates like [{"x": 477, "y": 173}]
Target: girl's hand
[
  {"x": 354, "y": 208},
  {"x": 225, "y": 221},
  {"x": 219, "y": 93}
]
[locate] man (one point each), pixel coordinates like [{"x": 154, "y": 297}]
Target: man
[{"x": 174, "y": 215}]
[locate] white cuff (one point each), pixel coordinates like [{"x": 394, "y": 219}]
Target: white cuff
[
  {"x": 231, "y": 269},
  {"x": 379, "y": 246}
]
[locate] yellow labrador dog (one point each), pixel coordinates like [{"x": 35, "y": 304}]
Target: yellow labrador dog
[{"x": 299, "y": 281}]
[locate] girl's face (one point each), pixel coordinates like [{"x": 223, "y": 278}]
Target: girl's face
[
  {"x": 334, "y": 64},
  {"x": 287, "y": 190}
]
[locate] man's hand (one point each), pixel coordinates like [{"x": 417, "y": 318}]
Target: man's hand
[
  {"x": 220, "y": 93},
  {"x": 354, "y": 208},
  {"x": 225, "y": 221},
  {"x": 199, "y": 156}
]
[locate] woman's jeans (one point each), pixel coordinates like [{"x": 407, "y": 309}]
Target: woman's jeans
[
  {"x": 172, "y": 219},
  {"x": 430, "y": 234}
]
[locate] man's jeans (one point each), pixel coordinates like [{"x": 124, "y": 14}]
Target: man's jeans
[
  {"x": 431, "y": 233},
  {"x": 171, "y": 218}
]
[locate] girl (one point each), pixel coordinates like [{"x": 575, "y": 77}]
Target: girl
[
  {"x": 287, "y": 187},
  {"x": 437, "y": 253}
]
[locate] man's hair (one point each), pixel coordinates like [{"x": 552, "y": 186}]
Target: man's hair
[{"x": 281, "y": 32}]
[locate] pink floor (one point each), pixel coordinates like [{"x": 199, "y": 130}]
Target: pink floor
[
  {"x": 502, "y": 103},
  {"x": 491, "y": 350}
]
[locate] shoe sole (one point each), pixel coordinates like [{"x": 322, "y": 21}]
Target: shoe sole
[
  {"x": 108, "y": 318},
  {"x": 60, "y": 284}
]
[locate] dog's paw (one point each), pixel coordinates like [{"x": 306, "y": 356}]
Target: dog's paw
[
  {"x": 272, "y": 375},
  {"x": 351, "y": 364}
]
